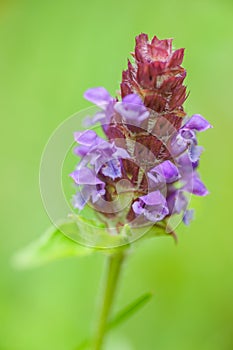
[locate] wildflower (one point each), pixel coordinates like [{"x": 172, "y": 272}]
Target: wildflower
[
  {"x": 150, "y": 144},
  {"x": 153, "y": 206}
]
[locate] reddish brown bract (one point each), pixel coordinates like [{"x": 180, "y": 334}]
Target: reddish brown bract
[{"x": 157, "y": 76}]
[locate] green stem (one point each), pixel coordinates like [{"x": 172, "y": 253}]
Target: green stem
[{"x": 113, "y": 268}]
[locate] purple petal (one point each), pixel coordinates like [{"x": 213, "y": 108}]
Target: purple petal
[
  {"x": 199, "y": 188},
  {"x": 185, "y": 165},
  {"x": 153, "y": 206},
  {"x": 132, "y": 109},
  {"x": 137, "y": 207},
  {"x": 121, "y": 153},
  {"x": 87, "y": 137},
  {"x": 188, "y": 216},
  {"x": 97, "y": 192},
  {"x": 156, "y": 214},
  {"x": 153, "y": 198},
  {"x": 98, "y": 96},
  {"x": 176, "y": 201},
  {"x": 198, "y": 123},
  {"x": 112, "y": 169},
  {"x": 87, "y": 140},
  {"x": 81, "y": 150},
  {"x": 86, "y": 176},
  {"x": 167, "y": 170},
  {"x": 195, "y": 185},
  {"x": 187, "y": 134},
  {"x": 154, "y": 180},
  {"x": 181, "y": 141},
  {"x": 133, "y": 99},
  {"x": 195, "y": 153},
  {"x": 87, "y": 192},
  {"x": 79, "y": 201}
]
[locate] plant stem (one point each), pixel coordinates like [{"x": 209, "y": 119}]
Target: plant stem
[{"x": 113, "y": 268}]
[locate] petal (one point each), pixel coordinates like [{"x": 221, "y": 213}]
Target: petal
[
  {"x": 187, "y": 134},
  {"x": 87, "y": 137},
  {"x": 98, "y": 96},
  {"x": 198, "y": 123},
  {"x": 199, "y": 188},
  {"x": 184, "y": 162},
  {"x": 132, "y": 109},
  {"x": 153, "y": 213},
  {"x": 84, "y": 176},
  {"x": 87, "y": 140},
  {"x": 168, "y": 171},
  {"x": 98, "y": 117},
  {"x": 188, "y": 216},
  {"x": 137, "y": 207},
  {"x": 181, "y": 141},
  {"x": 121, "y": 153},
  {"x": 156, "y": 214},
  {"x": 97, "y": 192},
  {"x": 133, "y": 99},
  {"x": 153, "y": 198},
  {"x": 81, "y": 150},
  {"x": 112, "y": 169},
  {"x": 195, "y": 153},
  {"x": 79, "y": 201},
  {"x": 195, "y": 185},
  {"x": 177, "y": 201}
]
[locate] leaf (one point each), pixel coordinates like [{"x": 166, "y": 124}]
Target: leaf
[
  {"x": 53, "y": 245},
  {"x": 129, "y": 310},
  {"x": 121, "y": 316}
]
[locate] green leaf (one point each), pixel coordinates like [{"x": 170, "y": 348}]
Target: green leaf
[
  {"x": 121, "y": 316},
  {"x": 129, "y": 310},
  {"x": 51, "y": 246}
]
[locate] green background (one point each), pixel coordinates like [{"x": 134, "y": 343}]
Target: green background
[{"x": 51, "y": 52}]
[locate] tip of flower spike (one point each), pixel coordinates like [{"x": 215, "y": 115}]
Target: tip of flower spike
[{"x": 156, "y": 75}]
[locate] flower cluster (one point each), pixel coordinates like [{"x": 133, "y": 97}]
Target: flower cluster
[{"x": 150, "y": 148}]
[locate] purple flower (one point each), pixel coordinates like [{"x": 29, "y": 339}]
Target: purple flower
[
  {"x": 165, "y": 172},
  {"x": 193, "y": 184},
  {"x": 90, "y": 187},
  {"x": 87, "y": 140},
  {"x": 176, "y": 200},
  {"x": 132, "y": 109},
  {"x": 153, "y": 206},
  {"x": 99, "y": 153},
  {"x": 112, "y": 169},
  {"x": 101, "y": 98},
  {"x": 185, "y": 138}
]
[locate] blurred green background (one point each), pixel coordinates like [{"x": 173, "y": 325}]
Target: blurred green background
[{"x": 51, "y": 52}]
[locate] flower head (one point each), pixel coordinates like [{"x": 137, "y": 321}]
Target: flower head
[{"x": 150, "y": 150}]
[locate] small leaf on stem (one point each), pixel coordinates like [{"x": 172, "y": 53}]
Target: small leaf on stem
[{"x": 53, "y": 245}]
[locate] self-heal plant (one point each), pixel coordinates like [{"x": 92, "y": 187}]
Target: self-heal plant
[{"x": 138, "y": 165}]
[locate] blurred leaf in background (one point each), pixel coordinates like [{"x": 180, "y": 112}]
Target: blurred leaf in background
[{"x": 51, "y": 52}]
